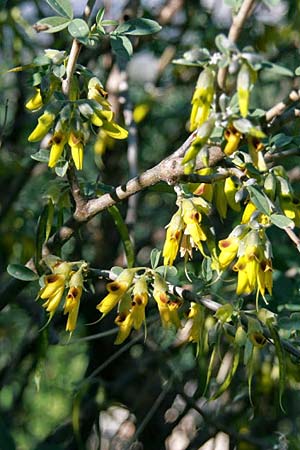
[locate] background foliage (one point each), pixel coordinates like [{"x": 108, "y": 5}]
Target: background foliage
[{"x": 84, "y": 392}]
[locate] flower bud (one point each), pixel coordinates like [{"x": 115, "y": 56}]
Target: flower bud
[
  {"x": 243, "y": 88},
  {"x": 202, "y": 98},
  {"x": 35, "y": 102},
  {"x": 45, "y": 122}
]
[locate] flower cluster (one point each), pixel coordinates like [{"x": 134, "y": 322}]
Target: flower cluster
[
  {"x": 63, "y": 276},
  {"x": 253, "y": 252},
  {"x": 186, "y": 230},
  {"x": 130, "y": 292},
  {"x": 70, "y": 122},
  {"x": 221, "y": 193}
]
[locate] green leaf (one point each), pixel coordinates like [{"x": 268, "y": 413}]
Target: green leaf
[
  {"x": 169, "y": 273},
  {"x": 277, "y": 69},
  {"x": 78, "y": 28},
  {"x": 281, "y": 360},
  {"x": 59, "y": 71},
  {"x": 155, "y": 257},
  {"x": 61, "y": 169},
  {"x": 42, "y": 60},
  {"x": 138, "y": 27},
  {"x": 281, "y": 221},
  {"x": 291, "y": 323},
  {"x": 100, "y": 15},
  {"x": 250, "y": 368},
  {"x": 49, "y": 219},
  {"x": 54, "y": 23},
  {"x": 297, "y": 71},
  {"x": 42, "y": 155},
  {"x": 224, "y": 44},
  {"x": 106, "y": 23},
  {"x": 62, "y": 7},
  {"x": 21, "y": 272},
  {"x": 122, "y": 48},
  {"x": 229, "y": 376},
  {"x": 41, "y": 232},
  {"x": 206, "y": 270},
  {"x": 281, "y": 140},
  {"x": 243, "y": 125},
  {"x": 248, "y": 351},
  {"x": 261, "y": 202},
  {"x": 210, "y": 368},
  {"x": 123, "y": 230}
]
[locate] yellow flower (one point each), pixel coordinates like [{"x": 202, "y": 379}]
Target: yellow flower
[
  {"x": 116, "y": 290},
  {"x": 124, "y": 322},
  {"x": 173, "y": 238},
  {"x": 196, "y": 315},
  {"x": 202, "y": 98},
  {"x": 231, "y": 188},
  {"x": 254, "y": 271},
  {"x": 233, "y": 138},
  {"x": 52, "y": 292},
  {"x": 75, "y": 141},
  {"x": 168, "y": 309},
  {"x": 97, "y": 93},
  {"x": 243, "y": 88},
  {"x": 205, "y": 190},
  {"x": 200, "y": 140},
  {"x": 139, "y": 302},
  {"x": 114, "y": 130},
  {"x": 229, "y": 248},
  {"x": 71, "y": 306},
  {"x": 45, "y": 122},
  {"x": 290, "y": 206},
  {"x": 248, "y": 211},
  {"x": 57, "y": 142},
  {"x": 255, "y": 147},
  {"x": 35, "y": 102},
  {"x": 192, "y": 220}
]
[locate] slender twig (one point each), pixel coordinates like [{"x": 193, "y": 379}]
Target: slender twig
[
  {"x": 234, "y": 32},
  {"x": 278, "y": 109},
  {"x": 293, "y": 237},
  {"x": 72, "y": 60}
]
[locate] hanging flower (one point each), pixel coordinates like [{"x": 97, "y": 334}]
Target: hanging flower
[
  {"x": 71, "y": 306},
  {"x": 116, "y": 290}
]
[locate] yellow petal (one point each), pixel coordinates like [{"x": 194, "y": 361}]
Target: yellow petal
[
  {"x": 45, "y": 122},
  {"x": 35, "y": 102},
  {"x": 114, "y": 130}
]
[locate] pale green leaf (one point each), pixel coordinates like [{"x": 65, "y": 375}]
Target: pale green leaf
[
  {"x": 281, "y": 221},
  {"x": 138, "y": 27},
  {"x": 78, "y": 28},
  {"x": 261, "y": 202},
  {"x": 54, "y": 24},
  {"x": 62, "y": 7}
]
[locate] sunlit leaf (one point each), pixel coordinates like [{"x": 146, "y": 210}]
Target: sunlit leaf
[
  {"x": 78, "y": 28},
  {"x": 53, "y": 24}
]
